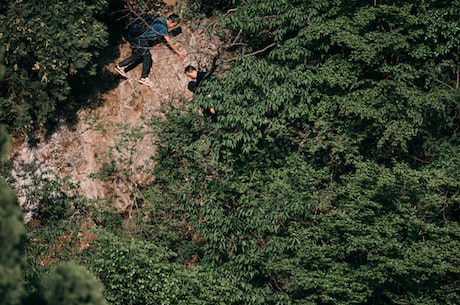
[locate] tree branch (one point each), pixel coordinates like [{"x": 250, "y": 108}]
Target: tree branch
[{"x": 251, "y": 54}]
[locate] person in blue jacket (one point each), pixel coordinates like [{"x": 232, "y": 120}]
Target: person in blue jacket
[{"x": 140, "y": 46}]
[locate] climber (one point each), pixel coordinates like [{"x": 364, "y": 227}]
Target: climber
[
  {"x": 197, "y": 78},
  {"x": 140, "y": 45}
]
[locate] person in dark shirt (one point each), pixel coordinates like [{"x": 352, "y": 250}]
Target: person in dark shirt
[{"x": 197, "y": 78}]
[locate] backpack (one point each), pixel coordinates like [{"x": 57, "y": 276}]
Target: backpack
[{"x": 141, "y": 25}]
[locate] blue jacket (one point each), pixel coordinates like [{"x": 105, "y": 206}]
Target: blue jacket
[{"x": 157, "y": 29}]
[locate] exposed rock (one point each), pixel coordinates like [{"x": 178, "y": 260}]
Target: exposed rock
[{"x": 81, "y": 151}]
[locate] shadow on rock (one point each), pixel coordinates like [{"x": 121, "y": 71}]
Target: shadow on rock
[{"x": 87, "y": 89}]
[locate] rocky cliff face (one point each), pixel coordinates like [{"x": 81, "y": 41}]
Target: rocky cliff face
[{"x": 102, "y": 132}]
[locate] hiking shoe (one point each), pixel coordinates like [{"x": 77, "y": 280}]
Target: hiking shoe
[
  {"x": 146, "y": 81},
  {"x": 121, "y": 71}
]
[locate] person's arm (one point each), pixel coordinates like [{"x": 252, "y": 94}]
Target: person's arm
[{"x": 169, "y": 41}]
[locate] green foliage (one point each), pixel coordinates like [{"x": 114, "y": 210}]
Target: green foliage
[
  {"x": 328, "y": 176},
  {"x": 2, "y": 60},
  {"x": 57, "y": 215},
  {"x": 380, "y": 68},
  {"x": 12, "y": 237},
  {"x": 264, "y": 105},
  {"x": 377, "y": 244},
  {"x": 211, "y": 7},
  {"x": 291, "y": 235},
  {"x": 4, "y": 142},
  {"x": 71, "y": 284},
  {"x": 11, "y": 241},
  {"x": 48, "y": 196},
  {"x": 118, "y": 159},
  {"x": 138, "y": 272},
  {"x": 46, "y": 44}
]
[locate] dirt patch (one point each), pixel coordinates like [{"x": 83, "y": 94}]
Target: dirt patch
[{"x": 99, "y": 133}]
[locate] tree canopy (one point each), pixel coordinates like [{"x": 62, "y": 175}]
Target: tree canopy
[
  {"x": 71, "y": 284},
  {"x": 49, "y": 45},
  {"x": 12, "y": 238},
  {"x": 330, "y": 176},
  {"x": 329, "y": 173}
]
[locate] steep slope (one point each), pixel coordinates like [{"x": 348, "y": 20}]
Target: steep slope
[{"x": 106, "y": 132}]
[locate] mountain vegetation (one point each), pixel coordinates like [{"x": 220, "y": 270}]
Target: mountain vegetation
[
  {"x": 12, "y": 238},
  {"x": 331, "y": 175},
  {"x": 51, "y": 47}
]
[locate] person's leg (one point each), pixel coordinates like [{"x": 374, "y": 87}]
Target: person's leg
[
  {"x": 136, "y": 55},
  {"x": 146, "y": 63}
]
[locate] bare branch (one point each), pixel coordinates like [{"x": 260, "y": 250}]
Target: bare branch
[
  {"x": 445, "y": 84},
  {"x": 237, "y": 36},
  {"x": 229, "y": 11},
  {"x": 251, "y": 54}
]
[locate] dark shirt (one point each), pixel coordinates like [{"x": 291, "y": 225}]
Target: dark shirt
[
  {"x": 194, "y": 84},
  {"x": 199, "y": 78}
]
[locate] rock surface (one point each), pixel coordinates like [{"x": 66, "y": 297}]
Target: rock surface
[{"x": 80, "y": 151}]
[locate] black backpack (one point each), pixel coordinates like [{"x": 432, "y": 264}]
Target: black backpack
[{"x": 142, "y": 24}]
